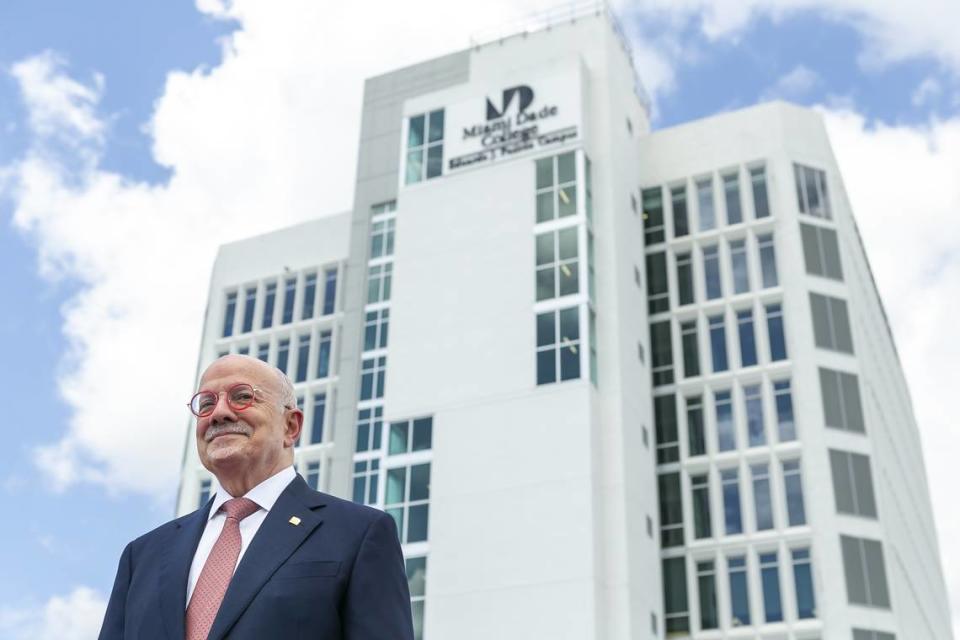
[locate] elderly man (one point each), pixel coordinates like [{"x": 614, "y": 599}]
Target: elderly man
[{"x": 266, "y": 557}]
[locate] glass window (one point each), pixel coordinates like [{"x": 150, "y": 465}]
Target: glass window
[
  {"x": 379, "y": 281},
  {"x": 793, "y": 486},
  {"x": 695, "y": 429},
  {"x": 676, "y": 609},
  {"x": 841, "y": 400},
  {"x": 868, "y": 634},
  {"x": 708, "y": 218},
  {"x": 739, "y": 594},
  {"x": 329, "y": 291},
  {"x": 812, "y": 195},
  {"x": 731, "y": 196},
  {"x": 748, "y": 344},
  {"x": 381, "y": 237},
  {"x": 684, "y": 279},
  {"x": 782, "y": 399},
  {"x": 753, "y": 407},
  {"x": 323, "y": 356},
  {"x": 557, "y": 263},
  {"x": 309, "y": 296},
  {"x": 417, "y": 586},
  {"x": 707, "y": 590},
  {"x": 691, "y": 352},
  {"x": 718, "y": 343},
  {"x": 671, "y": 510},
  {"x": 665, "y": 419},
  {"x": 770, "y": 580},
  {"x": 853, "y": 483},
  {"x": 229, "y": 312},
  {"x": 726, "y": 432},
  {"x": 558, "y": 345},
  {"x": 758, "y": 180},
  {"x": 711, "y": 272},
  {"x": 268, "y": 304},
  {"x": 303, "y": 357},
  {"x": 700, "y": 488},
  {"x": 591, "y": 271},
  {"x": 407, "y": 501},
  {"x": 317, "y": 421},
  {"x": 205, "y": 488},
  {"x": 249, "y": 303},
  {"x": 763, "y": 502},
  {"x": 803, "y": 583},
  {"x": 821, "y": 252},
  {"x": 369, "y": 428},
  {"x": 588, "y": 188},
  {"x": 289, "y": 297},
  {"x": 313, "y": 475},
  {"x": 738, "y": 266},
  {"x": 283, "y": 354},
  {"x": 366, "y": 478},
  {"x": 410, "y": 435},
  {"x": 662, "y": 352},
  {"x": 775, "y": 332},
  {"x": 373, "y": 372},
  {"x": 865, "y": 573},
  {"x": 424, "y": 140},
  {"x": 732, "y": 519},
  {"x": 593, "y": 347},
  {"x": 263, "y": 351},
  {"x": 652, "y": 200},
  {"x": 831, "y": 323},
  {"x": 244, "y": 350},
  {"x": 768, "y": 261},
  {"x": 658, "y": 295},
  {"x": 375, "y": 328},
  {"x": 556, "y": 187},
  {"x": 678, "y": 200}
]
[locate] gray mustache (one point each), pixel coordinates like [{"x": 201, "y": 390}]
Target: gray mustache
[{"x": 233, "y": 427}]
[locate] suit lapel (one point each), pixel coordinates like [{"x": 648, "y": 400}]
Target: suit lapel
[
  {"x": 182, "y": 544},
  {"x": 276, "y": 539}
]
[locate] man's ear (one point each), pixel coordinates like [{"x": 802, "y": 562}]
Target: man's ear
[{"x": 294, "y": 425}]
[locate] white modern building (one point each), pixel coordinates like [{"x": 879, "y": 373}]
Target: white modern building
[{"x": 611, "y": 383}]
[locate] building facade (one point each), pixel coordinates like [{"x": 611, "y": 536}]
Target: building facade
[{"x": 611, "y": 383}]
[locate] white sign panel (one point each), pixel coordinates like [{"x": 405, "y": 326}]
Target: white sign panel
[{"x": 540, "y": 113}]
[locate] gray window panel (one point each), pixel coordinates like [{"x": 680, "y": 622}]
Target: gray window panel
[
  {"x": 665, "y": 417},
  {"x": 841, "y": 400},
  {"x": 867, "y": 634},
  {"x": 831, "y": 323},
  {"x": 842, "y": 484},
  {"x": 658, "y": 295},
  {"x": 821, "y": 252},
  {"x": 671, "y": 510},
  {"x": 876, "y": 573},
  {"x": 865, "y": 572},
  {"x": 811, "y": 249},
  {"x": 853, "y": 570},
  {"x": 862, "y": 480}
]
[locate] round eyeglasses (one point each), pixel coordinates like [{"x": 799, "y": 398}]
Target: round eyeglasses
[{"x": 239, "y": 397}]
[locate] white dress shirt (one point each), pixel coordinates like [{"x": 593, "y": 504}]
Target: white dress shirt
[{"x": 264, "y": 494}]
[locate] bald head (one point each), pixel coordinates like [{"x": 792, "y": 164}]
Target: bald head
[{"x": 280, "y": 383}]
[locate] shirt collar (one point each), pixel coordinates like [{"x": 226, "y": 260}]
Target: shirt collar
[{"x": 264, "y": 494}]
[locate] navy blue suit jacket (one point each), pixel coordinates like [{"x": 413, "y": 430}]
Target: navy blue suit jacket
[{"x": 338, "y": 575}]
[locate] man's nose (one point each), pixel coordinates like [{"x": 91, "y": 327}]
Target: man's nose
[{"x": 222, "y": 412}]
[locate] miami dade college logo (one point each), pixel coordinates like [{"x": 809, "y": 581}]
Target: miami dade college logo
[{"x": 526, "y": 98}]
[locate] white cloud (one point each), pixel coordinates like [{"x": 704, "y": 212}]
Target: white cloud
[
  {"x": 792, "y": 85},
  {"x": 893, "y": 30},
  {"x": 57, "y": 104},
  {"x": 903, "y": 189},
  {"x": 75, "y": 616}
]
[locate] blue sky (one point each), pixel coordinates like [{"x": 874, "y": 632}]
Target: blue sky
[{"x": 171, "y": 129}]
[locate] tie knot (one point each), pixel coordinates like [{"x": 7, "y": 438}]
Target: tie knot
[{"x": 239, "y": 508}]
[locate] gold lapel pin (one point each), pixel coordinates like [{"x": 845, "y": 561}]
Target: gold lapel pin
[{"x": 294, "y": 520}]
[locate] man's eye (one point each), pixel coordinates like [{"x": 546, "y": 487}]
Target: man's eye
[
  {"x": 206, "y": 402},
  {"x": 242, "y": 397}
]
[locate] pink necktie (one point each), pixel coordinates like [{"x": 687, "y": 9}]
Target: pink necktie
[{"x": 217, "y": 571}]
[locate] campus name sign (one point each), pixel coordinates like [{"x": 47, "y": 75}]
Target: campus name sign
[{"x": 515, "y": 121}]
